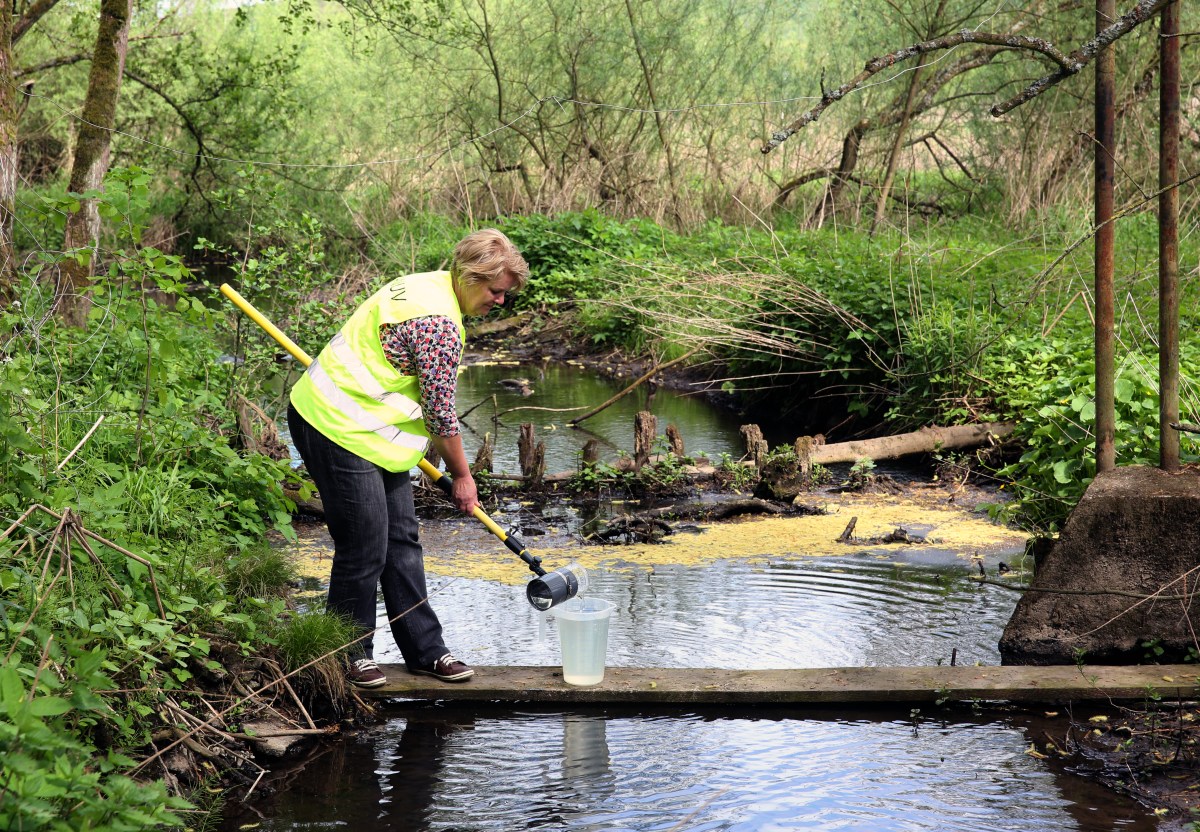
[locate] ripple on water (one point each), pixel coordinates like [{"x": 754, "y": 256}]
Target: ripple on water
[
  {"x": 828, "y": 612},
  {"x": 436, "y": 772}
]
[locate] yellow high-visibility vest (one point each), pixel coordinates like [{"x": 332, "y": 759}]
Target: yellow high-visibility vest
[{"x": 354, "y": 396}]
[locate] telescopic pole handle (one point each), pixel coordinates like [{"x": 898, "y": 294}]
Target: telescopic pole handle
[{"x": 284, "y": 341}]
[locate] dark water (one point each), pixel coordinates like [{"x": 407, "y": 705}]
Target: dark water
[
  {"x": 568, "y": 392},
  {"x": 436, "y": 769},
  {"x": 749, "y": 768}
]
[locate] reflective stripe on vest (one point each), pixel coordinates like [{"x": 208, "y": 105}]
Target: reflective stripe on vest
[
  {"x": 365, "y": 420},
  {"x": 355, "y": 396},
  {"x": 366, "y": 382}
]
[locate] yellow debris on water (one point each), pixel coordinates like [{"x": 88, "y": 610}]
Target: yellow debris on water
[
  {"x": 946, "y": 528},
  {"x": 312, "y": 556}
]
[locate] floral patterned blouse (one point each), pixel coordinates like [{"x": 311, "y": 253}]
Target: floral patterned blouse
[{"x": 429, "y": 348}]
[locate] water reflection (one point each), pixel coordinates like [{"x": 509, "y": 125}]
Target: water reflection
[
  {"x": 562, "y": 392},
  {"x": 435, "y": 770},
  {"x": 586, "y": 763}
]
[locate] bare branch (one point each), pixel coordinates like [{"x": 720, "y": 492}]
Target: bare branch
[
  {"x": 1068, "y": 65},
  {"x": 53, "y": 63},
  {"x": 1082, "y": 56},
  {"x": 31, "y": 16},
  {"x": 877, "y": 65}
]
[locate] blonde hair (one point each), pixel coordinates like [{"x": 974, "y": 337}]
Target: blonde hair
[{"x": 487, "y": 255}]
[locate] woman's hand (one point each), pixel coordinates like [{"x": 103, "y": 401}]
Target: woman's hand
[
  {"x": 464, "y": 494},
  {"x": 462, "y": 491}
]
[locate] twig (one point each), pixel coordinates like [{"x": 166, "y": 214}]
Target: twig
[
  {"x": 246, "y": 796},
  {"x": 1068, "y": 65},
  {"x": 157, "y": 754},
  {"x": 632, "y": 387},
  {"x": 80, "y": 530},
  {"x": 295, "y": 698},
  {"x": 85, "y": 438}
]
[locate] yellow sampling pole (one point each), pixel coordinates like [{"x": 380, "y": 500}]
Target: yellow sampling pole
[{"x": 440, "y": 479}]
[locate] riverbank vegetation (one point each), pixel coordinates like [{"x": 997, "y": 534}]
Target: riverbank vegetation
[{"x": 911, "y": 262}]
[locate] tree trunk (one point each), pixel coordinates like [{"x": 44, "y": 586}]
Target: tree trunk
[
  {"x": 897, "y": 145},
  {"x": 9, "y": 111},
  {"x": 92, "y": 150},
  {"x": 645, "y": 430},
  {"x": 1106, "y": 163},
  {"x": 1168, "y": 241},
  {"x": 532, "y": 456},
  {"x": 756, "y": 445},
  {"x": 837, "y": 182},
  {"x": 648, "y": 78},
  {"x": 483, "y": 459},
  {"x": 675, "y": 441}
]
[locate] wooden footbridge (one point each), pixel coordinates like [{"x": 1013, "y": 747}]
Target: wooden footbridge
[{"x": 816, "y": 686}]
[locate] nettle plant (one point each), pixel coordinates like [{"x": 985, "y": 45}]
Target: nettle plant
[{"x": 1049, "y": 389}]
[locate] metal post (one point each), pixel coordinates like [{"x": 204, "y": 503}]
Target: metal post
[
  {"x": 1168, "y": 239},
  {"x": 1106, "y": 13}
]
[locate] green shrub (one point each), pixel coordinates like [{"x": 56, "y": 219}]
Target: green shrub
[
  {"x": 52, "y": 780},
  {"x": 1048, "y": 387}
]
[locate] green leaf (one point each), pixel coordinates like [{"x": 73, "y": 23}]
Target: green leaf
[
  {"x": 1123, "y": 389},
  {"x": 12, "y": 690},
  {"x": 49, "y": 706}
]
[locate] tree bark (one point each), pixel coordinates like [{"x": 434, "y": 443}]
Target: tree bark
[
  {"x": 648, "y": 77},
  {"x": 483, "y": 459},
  {"x": 1106, "y": 148},
  {"x": 924, "y": 441},
  {"x": 9, "y": 112},
  {"x": 532, "y": 456},
  {"x": 837, "y": 182},
  {"x": 675, "y": 440},
  {"x": 756, "y": 445},
  {"x": 1168, "y": 240},
  {"x": 92, "y": 152},
  {"x": 889, "y": 175},
  {"x": 645, "y": 431}
]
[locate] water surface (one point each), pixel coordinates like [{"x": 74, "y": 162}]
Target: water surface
[
  {"x": 562, "y": 392},
  {"x": 442, "y": 768},
  {"x": 437, "y": 768}
]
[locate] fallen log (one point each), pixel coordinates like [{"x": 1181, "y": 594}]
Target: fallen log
[
  {"x": 500, "y": 325},
  {"x": 924, "y": 441}
]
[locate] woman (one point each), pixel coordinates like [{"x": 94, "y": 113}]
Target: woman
[{"x": 361, "y": 417}]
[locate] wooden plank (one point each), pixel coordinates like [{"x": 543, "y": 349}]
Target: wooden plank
[{"x": 842, "y": 685}]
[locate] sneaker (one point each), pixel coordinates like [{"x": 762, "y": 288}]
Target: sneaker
[
  {"x": 364, "y": 673},
  {"x": 447, "y": 668}
]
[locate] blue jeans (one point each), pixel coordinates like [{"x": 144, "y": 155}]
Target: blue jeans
[{"x": 373, "y": 523}]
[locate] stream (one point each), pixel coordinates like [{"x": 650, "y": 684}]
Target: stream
[{"x": 772, "y": 602}]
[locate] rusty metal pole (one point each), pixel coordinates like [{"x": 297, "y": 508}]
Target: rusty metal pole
[
  {"x": 1106, "y": 70},
  {"x": 1168, "y": 238}
]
